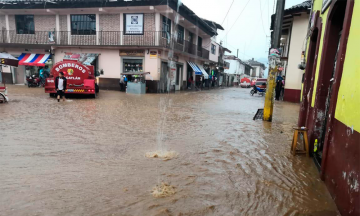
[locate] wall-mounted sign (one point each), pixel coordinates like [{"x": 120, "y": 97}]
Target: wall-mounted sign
[
  {"x": 132, "y": 53},
  {"x": 325, "y": 5},
  {"x": 153, "y": 54},
  {"x": 134, "y": 24}
]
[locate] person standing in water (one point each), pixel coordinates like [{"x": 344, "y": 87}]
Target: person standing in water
[
  {"x": 60, "y": 86},
  {"x": 278, "y": 88}
]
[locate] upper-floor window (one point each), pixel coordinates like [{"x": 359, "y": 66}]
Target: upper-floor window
[
  {"x": 25, "y": 24},
  {"x": 191, "y": 37},
  {"x": 180, "y": 34},
  {"x": 84, "y": 24},
  {"x": 166, "y": 27},
  {"x": 199, "y": 43},
  {"x": 213, "y": 49}
]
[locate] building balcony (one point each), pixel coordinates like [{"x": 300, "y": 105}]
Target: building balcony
[{"x": 103, "y": 38}]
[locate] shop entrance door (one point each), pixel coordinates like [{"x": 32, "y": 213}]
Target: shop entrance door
[
  {"x": 179, "y": 75},
  {"x": 164, "y": 77},
  {"x": 318, "y": 154},
  {"x": 19, "y": 75}
]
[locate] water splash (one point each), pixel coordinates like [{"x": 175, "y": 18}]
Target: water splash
[{"x": 163, "y": 190}]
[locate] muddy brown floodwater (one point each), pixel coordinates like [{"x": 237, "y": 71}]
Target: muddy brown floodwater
[{"x": 87, "y": 156}]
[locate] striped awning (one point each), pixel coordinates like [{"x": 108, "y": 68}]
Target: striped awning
[
  {"x": 206, "y": 75},
  {"x": 33, "y": 59},
  {"x": 195, "y": 68}
]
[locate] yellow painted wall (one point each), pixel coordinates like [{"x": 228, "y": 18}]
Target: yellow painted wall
[
  {"x": 348, "y": 102},
  {"x": 317, "y": 6}
]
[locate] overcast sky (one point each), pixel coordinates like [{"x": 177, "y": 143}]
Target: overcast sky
[{"x": 250, "y": 32}]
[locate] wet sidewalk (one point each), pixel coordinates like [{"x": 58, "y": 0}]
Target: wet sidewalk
[{"x": 87, "y": 156}]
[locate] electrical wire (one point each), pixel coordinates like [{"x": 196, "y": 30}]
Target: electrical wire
[
  {"x": 262, "y": 22},
  {"x": 227, "y": 12},
  {"x": 237, "y": 19},
  {"x": 274, "y": 7}
]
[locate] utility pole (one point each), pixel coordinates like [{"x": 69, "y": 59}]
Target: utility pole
[{"x": 274, "y": 58}]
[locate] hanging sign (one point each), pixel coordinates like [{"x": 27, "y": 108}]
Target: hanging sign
[
  {"x": 325, "y": 5},
  {"x": 134, "y": 24},
  {"x": 132, "y": 53}
]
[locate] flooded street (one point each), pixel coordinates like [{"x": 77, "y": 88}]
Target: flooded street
[{"x": 87, "y": 156}]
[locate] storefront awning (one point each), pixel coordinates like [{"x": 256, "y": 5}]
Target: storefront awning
[
  {"x": 84, "y": 58},
  {"x": 195, "y": 68},
  {"x": 7, "y": 59},
  {"x": 33, "y": 59},
  {"x": 206, "y": 75}
]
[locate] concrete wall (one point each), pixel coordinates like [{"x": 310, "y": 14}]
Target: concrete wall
[
  {"x": 298, "y": 34},
  {"x": 108, "y": 60},
  {"x": 214, "y": 57},
  {"x": 12, "y": 24},
  {"x": 2, "y": 22}
]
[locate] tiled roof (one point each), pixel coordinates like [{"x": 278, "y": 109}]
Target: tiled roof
[
  {"x": 213, "y": 24},
  {"x": 256, "y": 63},
  {"x": 304, "y": 5}
]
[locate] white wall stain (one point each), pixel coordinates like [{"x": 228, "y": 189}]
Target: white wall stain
[{"x": 352, "y": 181}]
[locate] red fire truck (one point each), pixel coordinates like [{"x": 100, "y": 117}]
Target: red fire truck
[{"x": 80, "y": 78}]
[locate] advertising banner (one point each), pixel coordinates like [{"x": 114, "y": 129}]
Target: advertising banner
[{"x": 134, "y": 24}]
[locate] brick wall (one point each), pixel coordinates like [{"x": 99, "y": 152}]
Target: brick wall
[
  {"x": 149, "y": 22},
  {"x": 109, "y": 22},
  {"x": 63, "y": 22},
  {"x": 45, "y": 22}
]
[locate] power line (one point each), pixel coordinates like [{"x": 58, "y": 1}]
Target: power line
[
  {"x": 237, "y": 48},
  {"x": 237, "y": 19},
  {"x": 227, "y": 12},
  {"x": 262, "y": 22},
  {"x": 222, "y": 21},
  {"x": 274, "y": 7}
]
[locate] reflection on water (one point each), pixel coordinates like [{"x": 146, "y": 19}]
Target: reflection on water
[{"x": 87, "y": 157}]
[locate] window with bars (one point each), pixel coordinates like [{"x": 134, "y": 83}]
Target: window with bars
[
  {"x": 166, "y": 27},
  {"x": 25, "y": 24},
  {"x": 180, "y": 34},
  {"x": 213, "y": 49},
  {"x": 84, "y": 24}
]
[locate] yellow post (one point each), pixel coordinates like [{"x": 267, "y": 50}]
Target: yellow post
[{"x": 270, "y": 86}]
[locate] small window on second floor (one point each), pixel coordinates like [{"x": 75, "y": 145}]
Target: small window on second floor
[
  {"x": 199, "y": 43},
  {"x": 25, "y": 24},
  {"x": 166, "y": 27},
  {"x": 84, "y": 24},
  {"x": 213, "y": 49},
  {"x": 180, "y": 36}
]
